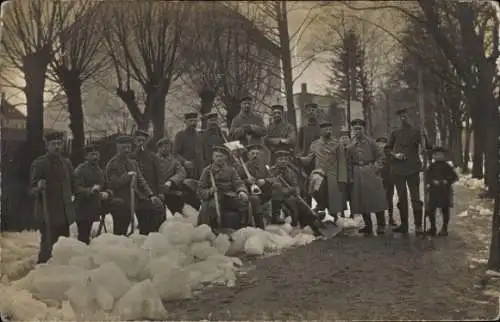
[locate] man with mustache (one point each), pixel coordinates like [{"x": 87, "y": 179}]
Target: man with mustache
[
  {"x": 368, "y": 194},
  {"x": 280, "y": 133},
  {"x": 186, "y": 147},
  {"x": 52, "y": 175},
  {"x": 309, "y": 132},
  {"x": 210, "y": 138},
  {"x": 91, "y": 197}
]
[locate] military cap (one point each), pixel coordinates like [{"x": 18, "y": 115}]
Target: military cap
[
  {"x": 401, "y": 111},
  {"x": 381, "y": 139},
  {"x": 358, "y": 122},
  {"x": 281, "y": 153},
  {"x": 254, "y": 147},
  {"x": 190, "y": 116},
  {"x": 90, "y": 148},
  {"x": 163, "y": 141},
  {"x": 325, "y": 124},
  {"x": 52, "y": 136},
  {"x": 311, "y": 105},
  {"x": 124, "y": 139},
  {"x": 221, "y": 149},
  {"x": 211, "y": 116},
  {"x": 245, "y": 98},
  {"x": 278, "y": 107},
  {"x": 141, "y": 133}
]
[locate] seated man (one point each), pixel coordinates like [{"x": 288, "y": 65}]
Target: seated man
[
  {"x": 284, "y": 194},
  {"x": 220, "y": 182},
  {"x": 90, "y": 196},
  {"x": 172, "y": 175},
  {"x": 261, "y": 180}
]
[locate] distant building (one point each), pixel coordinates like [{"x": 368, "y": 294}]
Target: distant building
[{"x": 332, "y": 108}]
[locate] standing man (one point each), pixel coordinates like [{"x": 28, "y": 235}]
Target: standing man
[
  {"x": 387, "y": 180},
  {"x": 309, "y": 132},
  {"x": 280, "y": 133},
  {"x": 325, "y": 153},
  {"x": 406, "y": 165},
  {"x": 172, "y": 175},
  {"x": 247, "y": 127},
  {"x": 52, "y": 185},
  {"x": 230, "y": 189},
  {"x": 368, "y": 194},
  {"x": 119, "y": 171},
  {"x": 186, "y": 147},
  {"x": 210, "y": 138},
  {"x": 91, "y": 197},
  {"x": 149, "y": 215}
]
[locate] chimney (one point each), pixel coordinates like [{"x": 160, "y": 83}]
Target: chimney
[{"x": 303, "y": 88}]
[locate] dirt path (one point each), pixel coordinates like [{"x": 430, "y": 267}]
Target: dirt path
[{"x": 357, "y": 278}]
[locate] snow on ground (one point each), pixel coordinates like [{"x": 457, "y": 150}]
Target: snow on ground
[{"x": 120, "y": 278}]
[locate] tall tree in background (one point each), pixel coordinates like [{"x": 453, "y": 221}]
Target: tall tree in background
[
  {"x": 143, "y": 42},
  {"x": 29, "y": 41},
  {"x": 80, "y": 56}
]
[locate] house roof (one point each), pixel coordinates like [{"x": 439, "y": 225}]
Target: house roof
[{"x": 8, "y": 111}]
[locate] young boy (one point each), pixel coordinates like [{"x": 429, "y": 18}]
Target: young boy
[{"x": 439, "y": 178}]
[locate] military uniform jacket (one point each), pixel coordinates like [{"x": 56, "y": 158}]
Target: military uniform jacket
[
  {"x": 405, "y": 140},
  {"x": 171, "y": 169},
  {"x": 208, "y": 139},
  {"x": 368, "y": 193},
  {"x": 307, "y": 135},
  {"x": 280, "y": 190},
  {"x": 88, "y": 204},
  {"x": 440, "y": 195},
  {"x": 118, "y": 180},
  {"x": 227, "y": 181},
  {"x": 240, "y": 128},
  {"x": 187, "y": 148},
  {"x": 281, "y": 130},
  {"x": 57, "y": 171},
  {"x": 150, "y": 166},
  {"x": 257, "y": 169}
]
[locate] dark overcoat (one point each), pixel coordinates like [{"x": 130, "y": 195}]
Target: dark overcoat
[
  {"x": 57, "y": 171},
  {"x": 440, "y": 193}
]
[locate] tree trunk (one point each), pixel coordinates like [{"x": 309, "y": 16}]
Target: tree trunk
[
  {"x": 468, "y": 134},
  {"x": 157, "y": 115},
  {"x": 207, "y": 98},
  {"x": 232, "y": 108},
  {"x": 128, "y": 97},
  {"x": 478, "y": 153},
  {"x": 455, "y": 142},
  {"x": 286, "y": 60},
  {"x": 73, "y": 88}
]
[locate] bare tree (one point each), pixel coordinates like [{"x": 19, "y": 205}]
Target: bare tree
[
  {"x": 29, "y": 43},
  {"x": 80, "y": 57},
  {"x": 143, "y": 43}
]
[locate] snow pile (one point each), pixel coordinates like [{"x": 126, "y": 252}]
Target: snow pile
[
  {"x": 469, "y": 182},
  {"x": 116, "y": 277},
  {"x": 18, "y": 252},
  {"x": 476, "y": 210}
]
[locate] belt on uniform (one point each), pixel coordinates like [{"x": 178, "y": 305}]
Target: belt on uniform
[{"x": 361, "y": 164}]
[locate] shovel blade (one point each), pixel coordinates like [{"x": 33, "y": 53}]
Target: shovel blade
[
  {"x": 234, "y": 145},
  {"x": 328, "y": 229}
]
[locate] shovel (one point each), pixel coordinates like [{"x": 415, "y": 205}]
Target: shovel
[
  {"x": 132, "y": 204},
  {"x": 326, "y": 229}
]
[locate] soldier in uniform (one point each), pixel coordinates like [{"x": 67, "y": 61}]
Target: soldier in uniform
[
  {"x": 247, "y": 127},
  {"x": 91, "y": 197},
  {"x": 345, "y": 170},
  {"x": 52, "y": 184},
  {"x": 149, "y": 216},
  {"x": 403, "y": 149},
  {"x": 280, "y": 134},
  {"x": 119, "y": 172},
  {"x": 368, "y": 194},
  {"x": 309, "y": 132},
  {"x": 230, "y": 189},
  {"x": 210, "y": 138},
  {"x": 326, "y": 153},
  {"x": 283, "y": 195},
  {"x": 387, "y": 181},
  {"x": 186, "y": 147},
  {"x": 261, "y": 177},
  {"x": 172, "y": 175}
]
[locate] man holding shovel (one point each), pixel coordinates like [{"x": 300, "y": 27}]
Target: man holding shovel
[
  {"x": 52, "y": 185},
  {"x": 223, "y": 193},
  {"x": 120, "y": 171}
]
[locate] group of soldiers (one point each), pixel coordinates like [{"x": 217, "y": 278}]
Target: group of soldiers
[{"x": 234, "y": 188}]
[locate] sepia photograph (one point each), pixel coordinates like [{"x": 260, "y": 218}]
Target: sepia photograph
[{"x": 249, "y": 160}]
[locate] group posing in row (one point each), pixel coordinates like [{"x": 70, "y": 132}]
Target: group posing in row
[{"x": 234, "y": 189}]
